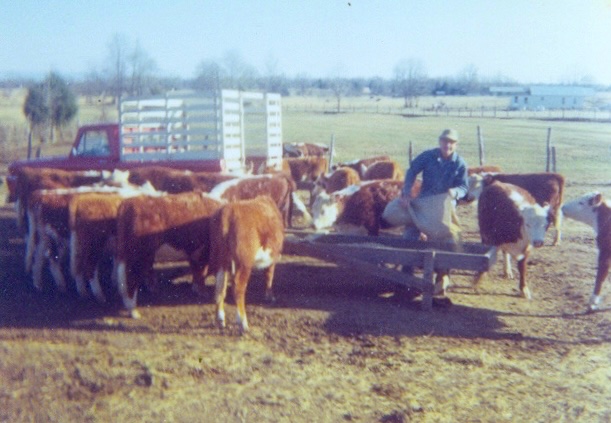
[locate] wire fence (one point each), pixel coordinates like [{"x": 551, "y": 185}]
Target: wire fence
[{"x": 465, "y": 112}]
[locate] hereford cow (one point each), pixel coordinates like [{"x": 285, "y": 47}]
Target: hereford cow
[
  {"x": 361, "y": 165},
  {"x": 145, "y": 223},
  {"x": 334, "y": 181},
  {"x": 546, "y": 188},
  {"x": 93, "y": 231},
  {"x": 279, "y": 187},
  {"x": 174, "y": 181},
  {"x": 386, "y": 169},
  {"x": 357, "y": 207},
  {"x": 29, "y": 180},
  {"x": 510, "y": 218},
  {"x": 302, "y": 149},
  {"x": 595, "y": 211},
  {"x": 244, "y": 235},
  {"x": 306, "y": 169}
]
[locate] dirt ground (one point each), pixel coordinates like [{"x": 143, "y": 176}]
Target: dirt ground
[{"x": 336, "y": 346}]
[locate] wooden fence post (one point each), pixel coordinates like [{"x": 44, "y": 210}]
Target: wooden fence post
[
  {"x": 480, "y": 143},
  {"x": 410, "y": 152},
  {"x": 554, "y": 159},
  {"x": 331, "y": 153},
  {"x": 548, "y": 149}
]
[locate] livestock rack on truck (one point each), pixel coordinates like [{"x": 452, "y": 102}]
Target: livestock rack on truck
[
  {"x": 370, "y": 255},
  {"x": 237, "y": 127}
]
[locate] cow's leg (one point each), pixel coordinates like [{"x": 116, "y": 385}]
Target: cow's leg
[
  {"x": 508, "y": 272},
  {"x": 524, "y": 290},
  {"x": 127, "y": 287},
  {"x": 220, "y": 293},
  {"x": 269, "y": 280},
  {"x": 604, "y": 261},
  {"x": 240, "y": 282}
]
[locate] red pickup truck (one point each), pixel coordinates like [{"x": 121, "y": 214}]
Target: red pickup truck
[{"x": 180, "y": 131}]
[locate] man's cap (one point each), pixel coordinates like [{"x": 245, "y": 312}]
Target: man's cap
[{"x": 450, "y": 135}]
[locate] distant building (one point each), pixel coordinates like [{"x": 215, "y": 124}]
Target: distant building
[{"x": 542, "y": 97}]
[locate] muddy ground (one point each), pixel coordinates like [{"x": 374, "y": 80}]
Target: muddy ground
[{"x": 336, "y": 346}]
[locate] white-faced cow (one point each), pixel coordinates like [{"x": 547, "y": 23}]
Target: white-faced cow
[
  {"x": 357, "y": 207},
  {"x": 334, "y": 181},
  {"x": 510, "y": 218},
  {"x": 146, "y": 223},
  {"x": 244, "y": 235},
  {"x": 595, "y": 211},
  {"x": 174, "y": 181},
  {"x": 279, "y": 187},
  {"x": 546, "y": 188}
]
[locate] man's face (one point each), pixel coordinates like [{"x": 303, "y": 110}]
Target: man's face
[{"x": 448, "y": 147}]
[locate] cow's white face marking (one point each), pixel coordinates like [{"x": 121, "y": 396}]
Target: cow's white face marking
[
  {"x": 583, "y": 209},
  {"x": 476, "y": 186},
  {"x": 324, "y": 211},
  {"x": 535, "y": 223}
]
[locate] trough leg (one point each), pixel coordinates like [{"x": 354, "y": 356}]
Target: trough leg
[{"x": 429, "y": 281}]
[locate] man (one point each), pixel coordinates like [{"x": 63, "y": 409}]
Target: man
[{"x": 443, "y": 171}]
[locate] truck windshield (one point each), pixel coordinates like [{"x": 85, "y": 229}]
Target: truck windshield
[{"x": 93, "y": 143}]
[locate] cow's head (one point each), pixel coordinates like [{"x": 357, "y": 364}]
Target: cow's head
[
  {"x": 328, "y": 208},
  {"x": 584, "y": 208},
  {"x": 536, "y": 223},
  {"x": 476, "y": 185}
]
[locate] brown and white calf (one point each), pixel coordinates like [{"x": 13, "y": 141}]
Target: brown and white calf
[
  {"x": 361, "y": 165},
  {"x": 174, "y": 181},
  {"x": 356, "y": 208},
  {"x": 510, "y": 218},
  {"x": 279, "y": 187},
  {"x": 595, "y": 211},
  {"x": 304, "y": 149},
  {"x": 306, "y": 169},
  {"x": 244, "y": 235},
  {"x": 146, "y": 223},
  {"x": 334, "y": 181},
  {"x": 386, "y": 169},
  {"x": 93, "y": 232},
  {"x": 29, "y": 180},
  {"x": 546, "y": 188}
]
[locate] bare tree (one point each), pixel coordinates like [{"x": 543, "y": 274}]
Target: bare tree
[
  {"x": 142, "y": 68},
  {"x": 117, "y": 59},
  {"x": 410, "y": 80},
  {"x": 209, "y": 76},
  {"x": 468, "y": 79},
  {"x": 239, "y": 74}
]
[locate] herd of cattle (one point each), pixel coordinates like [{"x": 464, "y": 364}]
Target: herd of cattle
[{"x": 102, "y": 229}]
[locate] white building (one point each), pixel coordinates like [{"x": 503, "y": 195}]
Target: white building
[{"x": 542, "y": 97}]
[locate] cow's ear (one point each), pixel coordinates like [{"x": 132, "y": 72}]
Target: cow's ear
[{"x": 597, "y": 199}]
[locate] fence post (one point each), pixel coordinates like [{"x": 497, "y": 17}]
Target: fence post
[
  {"x": 331, "y": 153},
  {"x": 554, "y": 159},
  {"x": 548, "y": 149},
  {"x": 410, "y": 153},
  {"x": 480, "y": 143},
  {"x": 30, "y": 144}
]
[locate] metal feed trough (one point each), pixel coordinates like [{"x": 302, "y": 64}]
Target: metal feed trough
[{"x": 366, "y": 254}]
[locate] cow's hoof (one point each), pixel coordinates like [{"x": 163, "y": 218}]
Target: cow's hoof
[{"x": 135, "y": 314}]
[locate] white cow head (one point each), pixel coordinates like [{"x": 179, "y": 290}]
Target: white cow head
[
  {"x": 583, "y": 209},
  {"x": 327, "y": 208},
  {"x": 536, "y": 223}
]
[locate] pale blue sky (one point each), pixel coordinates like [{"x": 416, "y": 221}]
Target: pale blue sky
[{"x": 546, "y": 41}]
